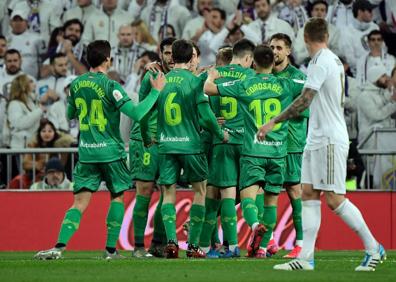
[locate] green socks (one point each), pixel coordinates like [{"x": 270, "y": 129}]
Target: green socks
[
  {"x": 159, "y": 234},
  {"x": 70, "y": 224},
  {"x": 249, "y": 211},
  {"x": 197, "y": 218},
  {"x": 114, "y": 222},
  {"x": 260, "y": 207},
  {"x": 140, "y": 213},
  {"x": 168, "y": 212},
  {"x": 269, "y": 221},
  {"x": 210, "y": 215},
  {"x": 229, "y": 221},
  {"x": 297, "y": 210}
]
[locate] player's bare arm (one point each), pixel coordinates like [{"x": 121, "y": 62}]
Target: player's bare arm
[
  {"x": 293, "y": 111},
  {"x": 210, "y": 87}
]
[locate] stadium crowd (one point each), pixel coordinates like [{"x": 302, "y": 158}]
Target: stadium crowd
[{"x": 43, "y": 49}]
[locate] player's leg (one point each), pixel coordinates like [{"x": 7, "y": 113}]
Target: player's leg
[
  {"x": 229, "y": 222},
  {"x": 294, "y": 191},
  {"x": 169, "y": 173},
  {"x": 158, "y": 241},
  {"x": 87, "y": 179},
  {"x": 211, "y": 209}
]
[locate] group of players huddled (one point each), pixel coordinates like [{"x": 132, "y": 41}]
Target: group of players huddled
[{"x": 203, "y": 125}]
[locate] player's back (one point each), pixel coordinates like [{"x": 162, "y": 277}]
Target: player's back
[
  {"x": 97, "y": 100},
  {"x": 265, "y": 97},
  {"x": 178, "y": 117},
  {"x": 326, "y": 124}
]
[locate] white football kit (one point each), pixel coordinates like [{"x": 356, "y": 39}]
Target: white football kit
[{"x": 325, "y": 155}]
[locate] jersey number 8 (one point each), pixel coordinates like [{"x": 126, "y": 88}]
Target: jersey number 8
[{"x": 96, "y": 115}]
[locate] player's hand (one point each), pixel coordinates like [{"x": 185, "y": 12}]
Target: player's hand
[
  {"x": 265, "y": 129},
  {"x": 226, "y": 137},
  {"x": 213, "y": 74},
  {"x": 220, "y": 121},
  {"x": 159, "y": 82},
  {"x": 153, "y": 67}
]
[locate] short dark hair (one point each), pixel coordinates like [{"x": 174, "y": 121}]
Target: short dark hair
[
  {"x": 362, "y": 5},
  {"x": 224, "y": 56},
  {"x": 161, "y": 29},
  {"x": 223, "y": 14},
  {"x": 263, "y": 56},
  {"x": 55, "y": 56},
  {"x": 12, "y": 51},
  {"x": 153, "y": 56},
  {"x": 374, "y": 32},
  {"x": 243, "y": 47},
  {"x": 195, "y": 46},
  {"x": 316, "y": 2},
  {"x": 73, "y": 21},
  {"x": 268, "y": 1},
  {"x": 3, "y": 37},
  {"x": 282, "y": 36},
  {"x": 97, "y": 52},
  {"x": 166, "y": 42},
  {"x": 182, "y": 51},
  {"x": 316, "y": 29}
]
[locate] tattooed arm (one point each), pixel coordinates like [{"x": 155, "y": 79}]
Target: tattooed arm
[{"x": 293, "y": 111}]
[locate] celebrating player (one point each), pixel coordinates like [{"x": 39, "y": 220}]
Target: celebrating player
[
  {"x": 97, "y": 101},
  {"x": 262, "y": 163},
  {"x": 180, "y": 107},
  {"x": 325, "y": 155}
]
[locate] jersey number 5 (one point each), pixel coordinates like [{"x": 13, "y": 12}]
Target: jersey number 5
[
  {"x": 267, "y": 109},
  {"x": 96, "y": 115},
  {"x": 230, "y": 111},
  {"x": 173, "y": 114}
]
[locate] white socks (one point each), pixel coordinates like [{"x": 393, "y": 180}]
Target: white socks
[
  {"x": 311, "y": 216},
  {"x": 351, "y": 215}
]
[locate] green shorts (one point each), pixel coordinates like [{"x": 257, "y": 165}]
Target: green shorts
[
  {"x": 195, "y": 168},
  {"x": 90, "y": 175},
  {"x": 224, "y": 167},
  {"x": 267, "y": 172},
  {"x": 143, "y": 161},
  {"x": 206, "y": 141},
  {"x": 293, "y": 168}
]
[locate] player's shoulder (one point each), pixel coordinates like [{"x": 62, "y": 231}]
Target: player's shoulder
[{"x": 325, "y": 58}]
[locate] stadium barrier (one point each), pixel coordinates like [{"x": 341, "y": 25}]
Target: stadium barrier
[{"x": 31, "y": 221}]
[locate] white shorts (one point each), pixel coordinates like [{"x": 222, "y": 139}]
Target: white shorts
[{"x": 325, "y": 168}]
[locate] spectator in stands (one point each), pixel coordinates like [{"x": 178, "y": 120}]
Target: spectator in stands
[
  {"x": 55, "y": 39},
  {"x": 168, "y": 32},
  {"x": 50, "y": 89},
  {"x": 340, "y": 14},
  {"x": 42, "y": 16},
  {"x": 70, "y": 44},
  {"x": 105, "y": 23},
  {"x": 142, "y": 35},
  {"x": 82, "y": 11},
  {"x": 353, "y": 42},
  {"x": 47, "y": 136},
  {"x": 160, "y": 12},
  {"x": 127, "y": 52},
  {"x": 193, "y": 25},
  {"x": 23, "y": 111},
  {"x": 294, "y": 13},
  {"x": 3, "y": 49},
  {"x": 55, "y": 177},
  {"x": 387, "y": 22},
  {"x": 268, "y": 24},
  {"x": 214, "y": 24},
  {"x": 377, "y": 55},
  {"x": 30, "y": 45},
  {"x": 318, "y": 10}
]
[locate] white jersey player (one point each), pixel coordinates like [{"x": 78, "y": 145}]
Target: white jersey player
[{"x": 325, "y": 155}]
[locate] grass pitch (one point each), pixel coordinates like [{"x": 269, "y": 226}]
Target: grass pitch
[{"x": 87, "y": 266}]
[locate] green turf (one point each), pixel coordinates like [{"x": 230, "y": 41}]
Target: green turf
[{"x": 86, "y": 266}]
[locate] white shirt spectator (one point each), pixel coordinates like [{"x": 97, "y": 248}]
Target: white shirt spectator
[
  {"x": 52, "y": 82},
  {"x": 101, "y": 26},
  {"x": 352, "y": 94},
  {"x": 340, "y": 15},
  {"x": 154, "y": 16},
  {"x": 296, "y": 16},
  {"x": 81, "y": 13},
  {"x": 268, "y": 28}
]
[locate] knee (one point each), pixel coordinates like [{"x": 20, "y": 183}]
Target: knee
[
  {"x": 333, "y": 201},
  {"x": 145, "y": 189},
  {"x": 294, "y": 192}
]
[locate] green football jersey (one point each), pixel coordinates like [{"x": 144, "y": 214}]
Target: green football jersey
[
  {"x": 178, "y": 118},
  {"x": 297, "y": 127},
  {"x": 97, "y": 100},
  {"x": 228, "y": 107},
  {"x": 262, "y": 97},
  {"x": 145, "y": 88}
]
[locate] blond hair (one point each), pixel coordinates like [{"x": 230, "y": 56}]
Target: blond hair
[
  {"x": 20, "y": 88},
  {"x": 144, "y": 33}
]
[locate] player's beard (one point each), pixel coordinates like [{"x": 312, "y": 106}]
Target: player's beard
[
  {"x": 279, "y": 62},
  {"x": 13, "y": 71}
]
